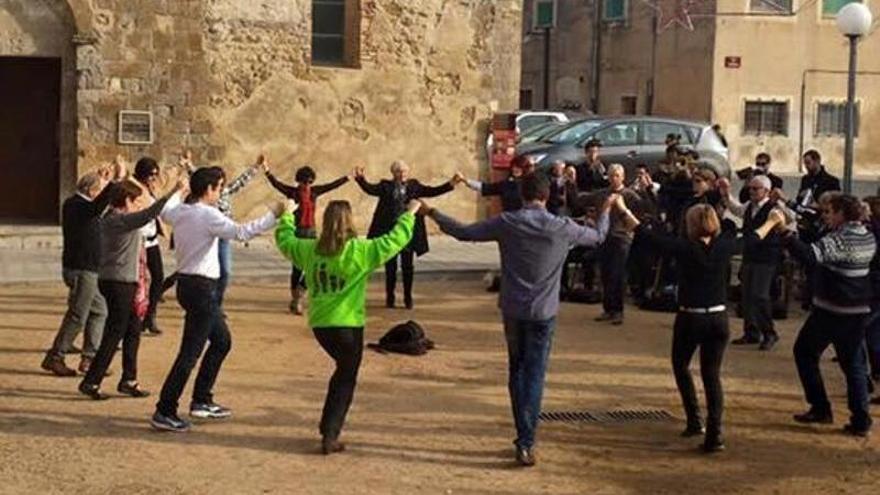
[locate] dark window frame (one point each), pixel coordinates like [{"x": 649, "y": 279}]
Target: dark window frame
[
  {"x": 347, "y": 53},
  {"x": 838, "y": 119},
  {"x": 762, "y": 128}
]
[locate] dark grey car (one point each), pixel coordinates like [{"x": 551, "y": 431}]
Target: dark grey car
[{"x": 630, "y": 141}]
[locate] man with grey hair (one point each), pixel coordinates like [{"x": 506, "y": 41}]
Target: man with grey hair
[
  {"x": 394, "y": 194},
  {"x": 615, "y": 250},
  {"x": 761, "y": 260},
  {"x": 86, "y": 307}
]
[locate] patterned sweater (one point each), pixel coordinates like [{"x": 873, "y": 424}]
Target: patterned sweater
[{"x": 841, "y": 261}]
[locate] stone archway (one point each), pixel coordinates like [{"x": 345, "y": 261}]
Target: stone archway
[{"x": 38, "y": 64}]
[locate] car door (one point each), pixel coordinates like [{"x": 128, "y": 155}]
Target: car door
[
  {"x": 620, "y": 142},
  {"x": 652, "y": 150}
]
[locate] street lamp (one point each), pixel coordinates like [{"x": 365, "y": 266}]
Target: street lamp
[{"x": 853, "y": 21}]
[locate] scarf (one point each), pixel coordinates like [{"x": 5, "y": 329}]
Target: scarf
[
  {"x": 141, "y": 298},
  {"x": 306, "y": 207}
]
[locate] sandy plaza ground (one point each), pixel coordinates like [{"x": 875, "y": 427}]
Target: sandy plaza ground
[{"x": 436, "y": 424}]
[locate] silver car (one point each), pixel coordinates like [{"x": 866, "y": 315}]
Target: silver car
[{"x": 630, "y": 141}]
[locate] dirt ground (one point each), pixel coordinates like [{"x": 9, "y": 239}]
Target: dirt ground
[{"x": 433, "y": 424}]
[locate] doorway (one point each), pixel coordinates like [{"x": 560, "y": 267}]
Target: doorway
[{"x": 30, "y": 99}]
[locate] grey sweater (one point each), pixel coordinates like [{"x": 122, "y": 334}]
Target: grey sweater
[{"x": 121, "y": 242}]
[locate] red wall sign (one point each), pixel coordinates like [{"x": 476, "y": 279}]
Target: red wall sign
[{"x": 732, "y": 62}]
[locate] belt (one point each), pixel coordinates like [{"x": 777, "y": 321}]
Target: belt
[{"x": 703, "y": 311}]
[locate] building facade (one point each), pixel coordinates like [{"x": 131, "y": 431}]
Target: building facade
[
  {"x": 772, "y": 73},
  {"x": 331, "y": 83}
]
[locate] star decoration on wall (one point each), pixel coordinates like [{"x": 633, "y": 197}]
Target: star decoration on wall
[{"x": 671, "y": 12}]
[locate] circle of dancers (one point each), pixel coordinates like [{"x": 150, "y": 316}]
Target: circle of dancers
[{"x": 679, "y": 227}]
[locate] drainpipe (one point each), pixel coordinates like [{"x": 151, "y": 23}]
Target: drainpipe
[{"x": 596, "y": 55}]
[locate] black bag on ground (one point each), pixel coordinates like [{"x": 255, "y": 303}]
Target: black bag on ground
[{"x": 405, "y": 338}]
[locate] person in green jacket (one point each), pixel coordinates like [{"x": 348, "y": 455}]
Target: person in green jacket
[{"x": 337, "y": 266}]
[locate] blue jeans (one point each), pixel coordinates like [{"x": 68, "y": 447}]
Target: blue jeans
[
  {"x": 847, "y": 334},
  {"x": 872, "y": 337},
  {"x": 528, "y": 348},
  {"x": 203, "y": 326},
  {"x": 224, "y": 250}
]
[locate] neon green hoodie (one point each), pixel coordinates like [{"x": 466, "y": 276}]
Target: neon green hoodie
[{"x": 338, "y": 284}]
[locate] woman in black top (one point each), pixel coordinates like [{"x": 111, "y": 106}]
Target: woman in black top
[
  {"x": 305, "y": 195},
  {"x": 702, "y": 259}
]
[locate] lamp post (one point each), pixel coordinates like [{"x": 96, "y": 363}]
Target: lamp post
[{"x": 853, "y": 21}]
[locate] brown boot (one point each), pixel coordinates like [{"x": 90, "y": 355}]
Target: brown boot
[{"x": 56, "y": 365}]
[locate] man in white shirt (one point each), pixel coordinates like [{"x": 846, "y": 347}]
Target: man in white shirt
[{"x": 198, "y": 226}]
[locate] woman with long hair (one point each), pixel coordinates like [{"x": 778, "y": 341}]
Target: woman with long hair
[
  {"x": 118, "y": 277},
  {"x": 702, "y": 259},
  {"x": 337, "y": 267}
]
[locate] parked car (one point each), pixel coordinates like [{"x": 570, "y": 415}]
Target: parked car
[
  {"x": 529, "y": 119},
  {"x": 630, "y": 141},
  {"x": 539, "y": 132}
]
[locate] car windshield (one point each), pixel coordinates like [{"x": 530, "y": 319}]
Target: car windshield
[
  {"x": 572, "y": 133},
  {"x": 539, "y": 132}
]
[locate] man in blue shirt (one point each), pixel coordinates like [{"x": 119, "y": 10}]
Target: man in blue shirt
[{"x": 534, "y": 244}]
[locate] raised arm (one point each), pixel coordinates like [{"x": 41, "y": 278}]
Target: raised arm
[
  {"x": 242, "y": 180},
  {"x": 285, "y": 189},
  {"x": 325, "y": 188},
  {"x": 221, "y": 226},
  {"x": 369, "y": 188},
  {"x": 285, "y": 239},
  {"x": 383, "y": 248},
  {"x": 137, "y": 220},
  {"x": 423, "y": 191},
  {"x": 585, "y": 235},
  {"x": 484, "y": 231}
]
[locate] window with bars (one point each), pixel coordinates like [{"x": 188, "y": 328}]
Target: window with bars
[
  {"x": 614, "y": 10},
  {"x": 335, "y": 32},
  {"x": 830, "y": 8},
  {"x": 781, "y": 6},
  {"x": 831, "y": 119},
  {"x": 766, "y": 117}
]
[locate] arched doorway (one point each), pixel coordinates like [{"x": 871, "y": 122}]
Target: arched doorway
[{"x": 38, "y": 98}]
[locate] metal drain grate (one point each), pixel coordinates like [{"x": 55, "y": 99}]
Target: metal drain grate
[{"x": 618, "y": 416}]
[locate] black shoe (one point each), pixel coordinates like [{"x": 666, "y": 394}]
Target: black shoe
[
  {"x": 209, "y": 410},
  {"x": 617, "y": 319},
  {"x": 132, "y": 389},
  {"x": 864, "y": 432},
  {"x": 331, "y": 446},
  {"x": 409, "y": 304},
  {"x": 814, "y": 416},
  {"x": 713, "y": 444},
  {"x": 92, "y": 391},
  {"x": 693, "y": 430},
  {"x": 745, "y": 341},
  {"x": 525, "y": 457},
  {"x": 769, "y": 343},
  {"x": 162, "y": 422},
  {"x": 876, "y": 400}
]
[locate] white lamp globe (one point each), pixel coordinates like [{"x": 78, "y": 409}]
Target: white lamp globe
[{"x": 854, "y": 19}]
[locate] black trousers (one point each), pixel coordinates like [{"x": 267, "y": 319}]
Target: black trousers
[
  {"x": 122, "y": 325},
  {"x": 757, "y": 279},
  {"x": 847, "y": 334},
  {"x": 613, "y": 270},
  {"x": 297, "y": 280},
  {"x": 710, "y": 333},
  {"x": 203, "y": 323},
  {"x": 346, "y": 347},
  {"x": 157, "y": 278},
  {"x": 407, "y": 265}
]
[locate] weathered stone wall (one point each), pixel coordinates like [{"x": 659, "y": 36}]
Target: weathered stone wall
[
  {"x": 431, "y": 73},
  {"x": 232, "y": 78}
]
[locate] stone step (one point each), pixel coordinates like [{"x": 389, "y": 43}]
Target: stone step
[{"x": 27, "y": 237}]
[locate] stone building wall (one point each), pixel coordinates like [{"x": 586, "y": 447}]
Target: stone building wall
[{"x": 230, "y": 79}]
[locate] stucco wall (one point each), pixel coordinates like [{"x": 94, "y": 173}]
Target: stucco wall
[
  {"x": 232, "y": 78},
  {"x": 775, "y": 53}
]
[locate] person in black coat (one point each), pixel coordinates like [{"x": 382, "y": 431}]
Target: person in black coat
[
  {"x": 394, "y": 194},
  {"x": 762, "y": 167}
]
